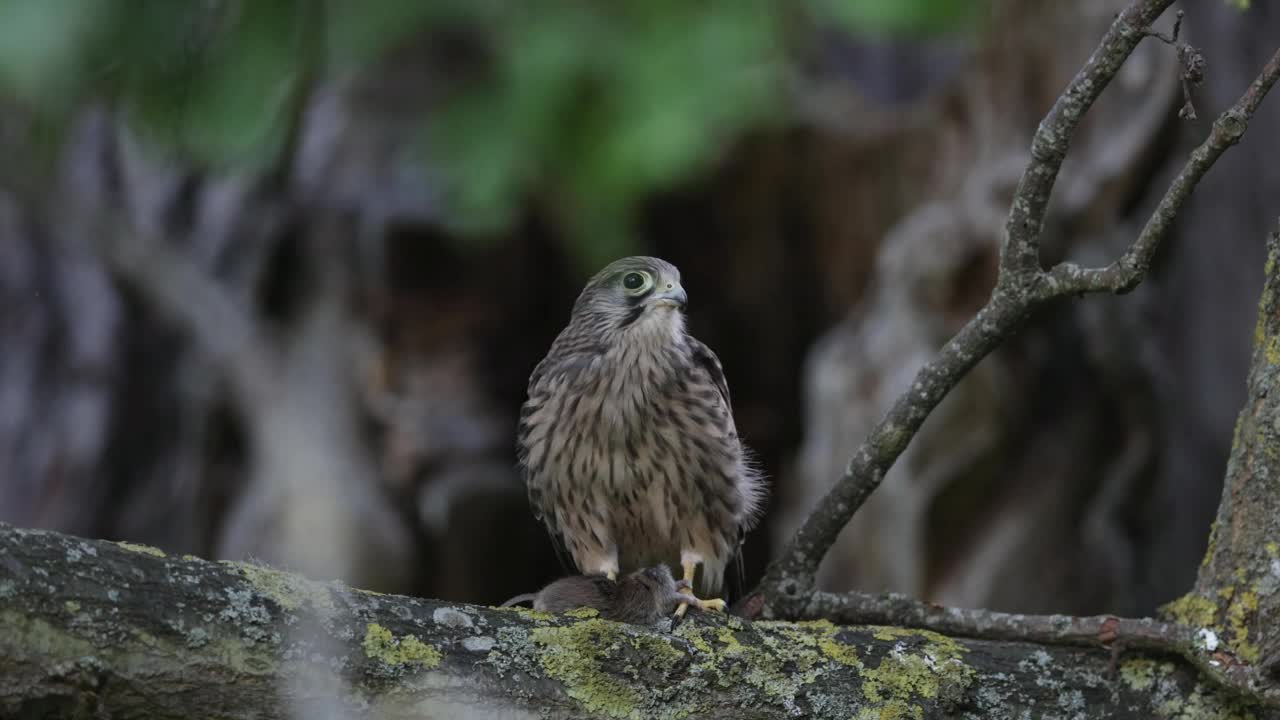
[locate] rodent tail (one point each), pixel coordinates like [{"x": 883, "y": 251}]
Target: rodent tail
[{"x": 525, "y": 598}]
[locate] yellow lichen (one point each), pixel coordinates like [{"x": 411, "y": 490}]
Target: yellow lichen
[
  {"x": 1192, "y": 610},
  {"x": 729, "y": 640},
  {"x": 380, "y": 644},
  {"x": 145, "y": 549},
  {"x": 1203, "y": 704},
  {"x": 695, "y": 638},
  {"x": 289, "y": 591},
  {"x": 583, "y": 613},
  {"x": 786, "y": 661},
  {"x": 907, "y": 675},
  {"x": 1197, "y": 611},
  {"x": 1138, "y": 673},
  {"x": 945, "y": 648},
  {"x": 72, "y": 606},
  {"x": 825, "y": 637},
  {"x": 1239, "y": 613},
  {"x": 1213, "y": 537},
  {"x": 576, "y": 656},
  {"x": 1273, "y": 350}
]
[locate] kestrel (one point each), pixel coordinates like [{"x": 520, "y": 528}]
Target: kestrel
[{"x": 627, "y": 440}]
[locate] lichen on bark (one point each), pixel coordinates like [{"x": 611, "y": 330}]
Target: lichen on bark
[
  {"x": 89, "y": 628},
  {"x": 1237, "y": 591}
]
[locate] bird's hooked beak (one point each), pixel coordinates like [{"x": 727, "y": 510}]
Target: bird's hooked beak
[{"x": 672, "y": 295}]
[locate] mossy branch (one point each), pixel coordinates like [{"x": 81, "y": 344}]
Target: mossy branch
[
  {"x": 1237, "y": 592},
  {"x": 99, "y": 629}
]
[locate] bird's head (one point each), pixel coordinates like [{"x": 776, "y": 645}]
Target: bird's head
[{"x": 633, "y": 293}]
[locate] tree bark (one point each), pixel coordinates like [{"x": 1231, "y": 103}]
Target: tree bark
[
  {"x": 92, "y": 628},
  {"x": 1237, "y": 592}
]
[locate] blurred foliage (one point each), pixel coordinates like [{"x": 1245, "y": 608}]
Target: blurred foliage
[
  {"x": 912, "y": 18},
  {"x": 594, "y": 104},
  {"x": 586, "y": 106}
]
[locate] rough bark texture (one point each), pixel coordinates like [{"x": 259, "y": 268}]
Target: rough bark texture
[
  {"x": 98, "y": 629},
  {"x": 1237, "y": 594}
]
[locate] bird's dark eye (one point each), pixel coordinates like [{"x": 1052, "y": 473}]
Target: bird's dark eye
[{"x": 637, "y": 282}]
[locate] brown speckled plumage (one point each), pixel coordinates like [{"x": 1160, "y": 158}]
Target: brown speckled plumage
[{"x": 627, "y": 440}]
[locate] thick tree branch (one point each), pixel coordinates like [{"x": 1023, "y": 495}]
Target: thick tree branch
[
  {"x": 98, "y": 629},
  {"x": 1237, "y": 591},
  {"x": 1022, "y": 287}
]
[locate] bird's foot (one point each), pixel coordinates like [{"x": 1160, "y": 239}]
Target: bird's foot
[
  {"x": 685, "y": 584},
  {"x": 714, "y": 605}
]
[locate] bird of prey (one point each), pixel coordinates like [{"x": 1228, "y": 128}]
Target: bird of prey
[{"x": 627, "y": 441}]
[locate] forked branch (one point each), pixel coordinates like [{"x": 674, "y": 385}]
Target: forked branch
[{"x": 1023, "y": 286}]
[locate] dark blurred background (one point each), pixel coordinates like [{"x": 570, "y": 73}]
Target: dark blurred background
[{"x": 273, "y": 275}]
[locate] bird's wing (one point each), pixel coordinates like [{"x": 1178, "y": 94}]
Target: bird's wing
[
  {"x": 706, "y": 359},
  {"x": 541, "y": 501}
]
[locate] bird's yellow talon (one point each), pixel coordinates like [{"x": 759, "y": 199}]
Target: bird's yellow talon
[
  {"x": 690, "y": 569},
  {"x": 713, "y": 605}
]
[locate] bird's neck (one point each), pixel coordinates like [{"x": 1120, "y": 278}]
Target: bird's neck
[{"x": 657, "y": 334}]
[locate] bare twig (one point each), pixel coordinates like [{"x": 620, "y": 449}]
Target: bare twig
[
  {"x": 1098, "y": 631},
  {"x": 1126, "y": 272},
  {"x": 1192, "y": 75},
  {"x": 1022, "y": 287},
  {"x": 1020, "y": 252},
  {"x": 790, "y": 576},
  {"x": 1192, "y": 65},
  {"x": 1168, "y": 38}
]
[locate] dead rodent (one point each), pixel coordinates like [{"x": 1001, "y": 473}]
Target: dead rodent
[{"x": 642, "y": 598}]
